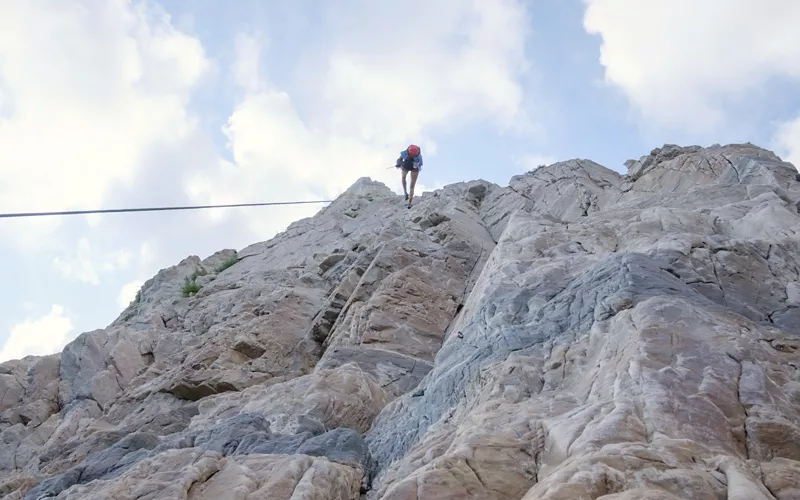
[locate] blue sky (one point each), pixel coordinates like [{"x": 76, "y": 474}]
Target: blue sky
[{"x": 126, "y": 103}]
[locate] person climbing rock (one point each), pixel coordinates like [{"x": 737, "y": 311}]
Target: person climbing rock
[{"x": 410, "y": 161}]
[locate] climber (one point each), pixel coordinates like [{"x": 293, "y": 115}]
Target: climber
[{"x": 410, "y": 161}]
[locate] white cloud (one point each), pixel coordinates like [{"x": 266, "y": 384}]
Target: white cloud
[
  {"x": 787, "y": 142},
  {"x": 147, "y": 253},
  {"x": 277, "y": 159},
  {"x": 461, "y": 62},
  {"x": 84, "y": 94},
  {"x": 45, "y": 335},
  {"x": 680, "y": 62},
  {"x": 533, "y": 161},
  {"x": 94, "y": 112},
  {"x": 128, "y": 293},
  {"x": 373, "y": 95},
  {"x": 246, "y": 72},
  {"x": 87, "y": 264}
]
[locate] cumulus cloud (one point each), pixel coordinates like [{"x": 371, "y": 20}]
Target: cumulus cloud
[
  {"x": 246, "y": 68},
  {"x": 462, "y": 62},
  {"x": 95, "y": 112},
  {"x": 373, "y": 94},
  {"x": 533, "y": 161},
  {"x": 47, "y": 334},
  {"x": 787, "y": 142},
  {"x": 682, "y": 62},
  {"x": 128, "y": 293},
  {"x": 87, "y": 263},
  {"x": 84, "y": 94}
]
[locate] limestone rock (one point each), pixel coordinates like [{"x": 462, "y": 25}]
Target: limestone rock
[
  {"x": 192, "y": 474},
  {"x": 28, "y": 390},
  {"x": 577, "y": 334},
  {"x": 14, "y": 485},
  {"x": 344, "y": 397},
  {"x": 642, "y": 341}
]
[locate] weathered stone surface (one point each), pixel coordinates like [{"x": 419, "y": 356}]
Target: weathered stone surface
[
  {"x": 577, "y": 334},
  {"x": 346, "y": 396},
  {"x": 28, "y": 390},
  {"x": 611, "y": 356},
  {"x": 14, "y": 485},
  {"x": 244, "y": 434},
  {"x": 193, "y": 474},
  {"x": 100, "y": 365},
  {"x": 104, "y": 464}
]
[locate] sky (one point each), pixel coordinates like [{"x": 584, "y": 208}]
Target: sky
[{"x": 128, "y": 103}]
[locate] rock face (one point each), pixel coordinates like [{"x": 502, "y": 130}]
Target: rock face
[{"x": 579, "y": 334}]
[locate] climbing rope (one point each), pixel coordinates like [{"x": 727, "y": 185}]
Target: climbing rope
[{"x": 153, "y": 209}]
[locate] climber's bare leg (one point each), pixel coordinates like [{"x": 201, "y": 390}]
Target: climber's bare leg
[
  {"x": 414, "y": 174},
  {"x": 403, "y": 173}
]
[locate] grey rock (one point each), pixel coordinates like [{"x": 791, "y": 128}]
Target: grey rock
[
  {"x": 244, "y": 434},
  {"x": 339, "y": 445},
  {"x": 10, "y": 439},
  {"x": 576, "y": 334},
  {"x": 793, "y": 293},
  {"x": 99, "y": 365},
  {"x": 109, "y": 462},
  {"x": 263, "y": 444},
  {"x": 249, "y": 346},
  {"x": 106, "y": 464},
  {"x": 395, "y": 372},
  {"x": 568, "y": 190},
  {"x": 28, "y": 390},
  {"x": 226, "y": 438},
  {"x": 346, "y": 396},
  {"x": 564, "y": 307},
  {"x": 331, "y": 260},
  {"x": 562, "y": 301}
]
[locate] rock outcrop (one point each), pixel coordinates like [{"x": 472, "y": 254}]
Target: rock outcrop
[{"x": 579, "y": 334}]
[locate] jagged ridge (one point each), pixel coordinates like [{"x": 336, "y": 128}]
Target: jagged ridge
[{"x": 578, "y": 333}]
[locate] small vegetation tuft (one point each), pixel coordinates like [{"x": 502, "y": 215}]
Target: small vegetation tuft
[
  {"x": 228, "y": 263},
  {"x": 190, "y": 287},
  {"x": 198, "y": 272}
]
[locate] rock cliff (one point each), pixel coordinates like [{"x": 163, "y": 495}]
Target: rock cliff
[{"x": 578, "y": 334}]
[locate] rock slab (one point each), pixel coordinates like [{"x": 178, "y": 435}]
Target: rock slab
[{"x": 577, "y": 334}]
